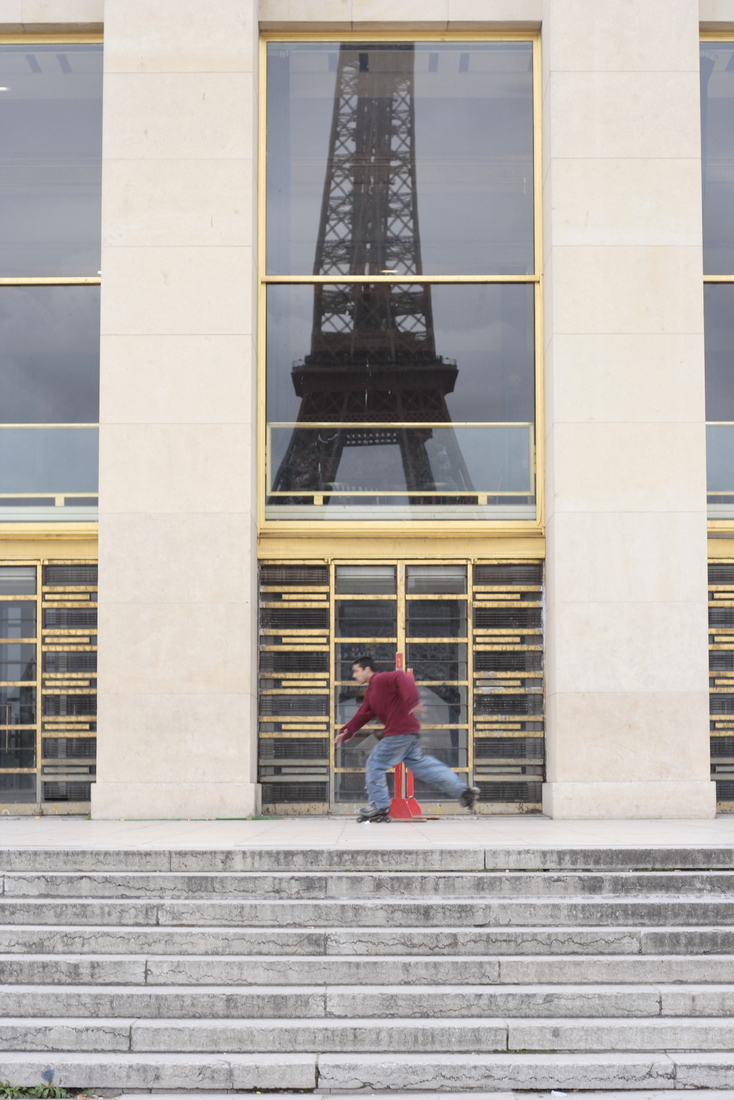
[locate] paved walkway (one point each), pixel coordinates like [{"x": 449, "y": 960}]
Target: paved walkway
[{"x": 335, "y": 832}]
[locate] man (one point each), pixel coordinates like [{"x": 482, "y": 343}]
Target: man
[{"x": 393, "y": 698}]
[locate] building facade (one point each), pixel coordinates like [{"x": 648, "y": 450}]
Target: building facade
[{"x": 335, "y": 327}]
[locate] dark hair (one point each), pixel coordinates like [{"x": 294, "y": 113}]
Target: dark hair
[{"x": 364, "y": 662}]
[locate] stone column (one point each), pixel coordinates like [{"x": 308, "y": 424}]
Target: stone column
[
  {"x": 626, "y": 491},
  {"x": 177, "y": 499}
]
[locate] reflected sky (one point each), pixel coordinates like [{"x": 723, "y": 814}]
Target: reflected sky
[
  {"x": 49, "y": 354},
  {"x": 50, "y": 159},
  {"x": 471, "y": 132}
]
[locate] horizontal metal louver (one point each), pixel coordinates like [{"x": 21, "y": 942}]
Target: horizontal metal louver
[
  {"x": 507, "y": 574},
  {"x": 488, "y": 618},
  {"x": 725, "y": 791},
  {"x": 721, "y": 616},
  {"x": 721, "y": 572},
  {"x": 294, "y": 574},
  {"x": 721, "y": 704},
  {"x": 294, "y": 704},
  {"x": 294, "y": 748},
  {"x": 57, "y": 705},
  {"x": 69, "y": 575},
  {"x": 509, "y": 661},
  {"x": 69, "y": 748},
  {"x": 70, "y": 618},
  {"x": 510, "y": 792},
  {"x": 294, "y": 792},
  {"x": 67, "y": 792},
  {"x": 508, "y": 704},
  {"x": 513, "y": 748},
  {"x": 294, "y": 662},
  {"x": 70, "y": 662},
  {"x": 295, "y": 618}
]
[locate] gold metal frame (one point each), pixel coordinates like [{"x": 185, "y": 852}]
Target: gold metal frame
[
  {"x": 287, "y": 530},
  {"x": 22, "y": 39}
]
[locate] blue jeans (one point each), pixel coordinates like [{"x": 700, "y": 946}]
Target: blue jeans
[{"x": 404, "y": 748}]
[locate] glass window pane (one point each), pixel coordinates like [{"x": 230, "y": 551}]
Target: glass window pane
[
  {"x": 719, "y": 330},
  {"x": 717, "y": 136},
  {"x": 17, "y": 662},
  {"x": 48, "y": 460},
  {"x": 50, "y": 158},
  {"x": 719, "y": 336},
  {"x": 17, "y": 620},
  {"x": 17, "y": 580},
  {"x": 49, "y": 354},
  {"x": 424, "y": 579},
  {"x": 400, "y": 157},
  {"x": 17, "y": 706},
  {"x": 403, "y": 352},
  {"x": 437, "y": 660},
  {"x": 17, "y": 788},
  {"x": 377, "y": 361},
  {"x": 366, "y": 618},
  {"x": 436, "y": 619},
  {"x": 367, "y": 579},
  {"x": 18, "y": 749},
  {"x": 382, "y": 653}
]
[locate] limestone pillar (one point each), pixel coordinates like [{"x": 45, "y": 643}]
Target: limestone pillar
[
  {"x": 177, "y": 498},
  {"x": 626, "y": 491}
]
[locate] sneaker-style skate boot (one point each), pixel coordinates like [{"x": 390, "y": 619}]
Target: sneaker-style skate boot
[
  {"x": 469, "y": 798},
  {"x": 371, "y": 812}
]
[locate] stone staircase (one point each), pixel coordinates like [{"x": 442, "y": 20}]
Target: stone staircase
[{"x": 373, "y": 969}]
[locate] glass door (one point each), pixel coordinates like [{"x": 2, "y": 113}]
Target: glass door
[{"x": 470, "y": 632}]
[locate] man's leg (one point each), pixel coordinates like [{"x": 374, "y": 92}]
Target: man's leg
[
  {"x": 385, "y": 755},
  {"x": 434, "y": 772}
]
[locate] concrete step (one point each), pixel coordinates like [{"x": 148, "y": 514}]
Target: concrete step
[
  {"x": 386, "y": 912},
  {"x": 498, "y": 1072},
  {"x": 335, "y": 970},
  {"x": 238, "y": 970},
  {"x": 102, "y": 939},
  {"x": 398, "y": 884},
  {"x": 109, "y": 939},
  {"x": 374, "y": 1072},
  {"x": 376, "y": 1002},
  {"x": 251, "y": 1036},
  {"x": 118, "y": 1071},
  {"x": 467, "y": 858},
  {"x": 469, "y": 1035}
]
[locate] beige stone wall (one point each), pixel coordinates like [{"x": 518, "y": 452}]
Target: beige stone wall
[
  {"x": 177, "y": 504},
  {"x": 626, "y": 538},
  {"x": 627, "y": 682},
  {"x": 50, "y": 16}
]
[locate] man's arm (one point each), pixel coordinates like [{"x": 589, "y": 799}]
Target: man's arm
[{"x": 361, "y": 718}]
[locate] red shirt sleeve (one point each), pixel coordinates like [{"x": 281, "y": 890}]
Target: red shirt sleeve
[{"x": 361, "y": 718}]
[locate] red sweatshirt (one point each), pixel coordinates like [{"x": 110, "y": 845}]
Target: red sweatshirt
[{"x": 390, "y": 697}]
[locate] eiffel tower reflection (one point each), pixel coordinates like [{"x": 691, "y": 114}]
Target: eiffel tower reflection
[{"x": 373, "y": 357}]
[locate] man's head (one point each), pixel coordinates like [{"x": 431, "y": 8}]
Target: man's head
[{"x": 363, "y": 669}]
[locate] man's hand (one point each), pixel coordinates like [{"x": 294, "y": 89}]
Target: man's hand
[
  {"x": 419, "y": 708},
  {"x": 342, "y": 735}
]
